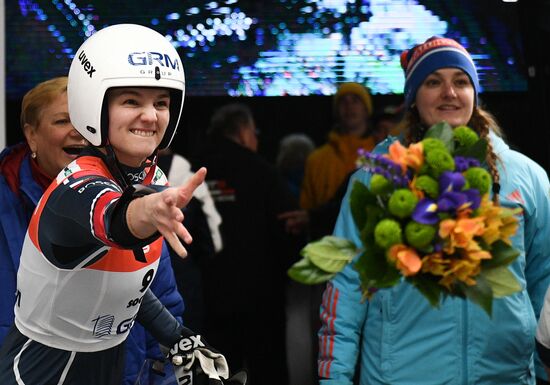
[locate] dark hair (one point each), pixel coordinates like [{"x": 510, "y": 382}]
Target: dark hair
[{"x": 227, "y": 120}]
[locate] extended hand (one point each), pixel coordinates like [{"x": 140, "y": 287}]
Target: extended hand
[{"x": 162, "y": 212}]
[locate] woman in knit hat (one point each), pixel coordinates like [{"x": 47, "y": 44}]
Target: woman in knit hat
[{"x": 397, "y": 337}]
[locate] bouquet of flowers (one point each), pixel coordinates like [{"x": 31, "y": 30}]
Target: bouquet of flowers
[{"x": 425, "y": 217}]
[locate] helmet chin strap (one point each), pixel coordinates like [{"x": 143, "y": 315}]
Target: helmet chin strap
[{"x": 114, "y": 165}]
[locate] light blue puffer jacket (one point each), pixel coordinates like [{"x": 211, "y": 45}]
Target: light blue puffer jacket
[{"x": 400, "y": 340}]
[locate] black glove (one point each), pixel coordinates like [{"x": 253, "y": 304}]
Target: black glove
[{"x": 195, "y": 362}]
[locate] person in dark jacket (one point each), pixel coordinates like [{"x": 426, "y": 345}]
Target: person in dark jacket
[
  {"x": 245, "y": 284},
  {"x": 202, "y": 220},
  {"x": 26, "y": 170}
]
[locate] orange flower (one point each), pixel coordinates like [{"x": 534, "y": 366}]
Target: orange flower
[
  {"x": 435, "y": 264},
  {"x": 417, "y": 192},
  {"x": 500, "y": 222},
  {"x": 415, "y": 156},
  {"x": 398, "y": 153},
  {"x": 405, "y": 258},
  {"x": 412, "y": 156},
  {"x": 460, "y": 233},
  {"x": 464, "y": 270}
]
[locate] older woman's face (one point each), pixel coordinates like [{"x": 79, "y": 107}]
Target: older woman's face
[
  {"x": 446, "y": 95},
  {"x": 54, "y": 139}
]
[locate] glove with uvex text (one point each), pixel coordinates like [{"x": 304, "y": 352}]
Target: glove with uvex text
[{"x": 197, "y": 363}]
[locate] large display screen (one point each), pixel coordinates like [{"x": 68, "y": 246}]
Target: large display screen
[{"x": 269, "y": 48}]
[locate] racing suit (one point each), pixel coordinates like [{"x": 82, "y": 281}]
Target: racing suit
[{"x": 83, "y": 280}]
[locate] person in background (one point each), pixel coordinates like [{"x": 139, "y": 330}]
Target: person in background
[
  {"x": 26, "y": 170},
  {"x": 245, "y": 283},
  {"x": 203, "y": 221},
  {"x": 291, "y": 159},
  {"x": 384, "y": 124},
  {"x": 178, "y": 170},
  {"x": 94, "y": 242},
  {"x": 328, "y": 166},
  {"x": 326, "y": 173},
  {"x": 397, "y": 337}
]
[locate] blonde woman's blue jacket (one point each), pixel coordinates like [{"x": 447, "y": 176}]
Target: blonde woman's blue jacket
[{"x": 400, "y": 340}]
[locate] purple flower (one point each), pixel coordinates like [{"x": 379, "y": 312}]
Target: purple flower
[
  {"x": 450, "y": 201},
  {"x": 425, "y": 212},
  {"x": 473, "y": 197},
  {"x": 461, "y": 163},
  {"x": 473, "y": 162},
  {"x": 451, "y": 181}
]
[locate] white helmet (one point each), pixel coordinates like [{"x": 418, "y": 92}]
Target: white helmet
[{"x": 123, "y": 55}]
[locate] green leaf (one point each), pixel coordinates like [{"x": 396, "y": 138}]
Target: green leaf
[
  {"x": 374, "y": 215},
  {"x": 503, "y": 254},
  {"x": 478, "y": 150},
  {"x": 444, "y": 132},
  {"x": 360, "y": 197},
  {"x": 481, "y": 293},
  {"x": 374, "y": 269},
  {"x": 307, "y": 273},
  {"x": 429, "y": 288},
  {"x": 502, "y": 281},
  {"x": 330, "y": 253}
]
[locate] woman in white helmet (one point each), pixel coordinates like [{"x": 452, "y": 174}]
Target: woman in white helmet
[{"x": 95, "y": 238}]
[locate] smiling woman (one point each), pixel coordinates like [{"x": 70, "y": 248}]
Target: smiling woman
[
  {"x": 403, "y": 339},
  {"x": 50, "y": 135},
  {"x": 95, "y": 243},
  {"x": 26, "y": 170},
  {"x": 138, "y": 118},
  {"x": 446, "y": 95}
]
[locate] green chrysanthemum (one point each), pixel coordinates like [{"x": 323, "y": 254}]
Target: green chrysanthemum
[
  {"x": 478, "y": 178},
  {"x": 419, "y": 235},
  {"x": 430, "y": 144},
  {"x": 402, "y": 203},
  {"x": 379, "y": 184},
  {"x": 465, "y": 136},
  {"x": 428, "y": 184},
  {"x": 387, "y": 233},
  {"x": 439, "y": 161}
]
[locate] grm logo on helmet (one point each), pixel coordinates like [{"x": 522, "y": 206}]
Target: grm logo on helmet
[{"x": 148, "y": 58}]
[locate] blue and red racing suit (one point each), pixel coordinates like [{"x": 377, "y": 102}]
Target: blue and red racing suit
[{"x": 83, "y": 280}]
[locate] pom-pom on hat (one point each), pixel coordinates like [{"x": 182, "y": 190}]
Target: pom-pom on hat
[
  {"x": 356, "y": 89},
  {"x": 435, "y": 53}
]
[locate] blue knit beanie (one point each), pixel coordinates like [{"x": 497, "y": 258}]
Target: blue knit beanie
[{"x": 435, "y": 53}]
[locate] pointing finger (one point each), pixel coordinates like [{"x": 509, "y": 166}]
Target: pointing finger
[{"x": 186, "y": 191}]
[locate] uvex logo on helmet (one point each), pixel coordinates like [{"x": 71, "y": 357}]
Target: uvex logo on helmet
[
  {"x": 153, "y": 58},
  {"x": 85, "y": 62}
]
